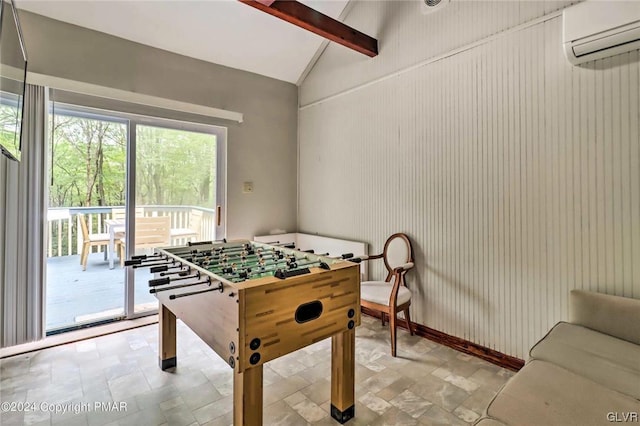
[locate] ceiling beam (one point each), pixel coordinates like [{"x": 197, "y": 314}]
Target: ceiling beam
[{"x": 310, "y": 19}]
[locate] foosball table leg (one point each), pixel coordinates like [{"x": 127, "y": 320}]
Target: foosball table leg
[
  {"x": 247, "y": 397},
  {"x": 167, "y": 338},
  {"x": 343, "y": 364}
]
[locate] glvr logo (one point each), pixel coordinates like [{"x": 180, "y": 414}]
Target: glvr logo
[{"x": 625, "y": 416}]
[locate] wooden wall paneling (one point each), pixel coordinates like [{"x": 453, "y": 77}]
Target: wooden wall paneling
[
  {"x": 634, "y": 159},
  {"x": 518, "y": 176}
]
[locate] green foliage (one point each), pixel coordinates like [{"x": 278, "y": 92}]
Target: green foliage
[
  {"x": 8, "y": 135},
  {"x": 88, "y": 162},
  {"x": 174, "y": 167}
]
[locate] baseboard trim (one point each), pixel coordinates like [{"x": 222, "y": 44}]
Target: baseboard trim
[{"x": 462, "y": 345}]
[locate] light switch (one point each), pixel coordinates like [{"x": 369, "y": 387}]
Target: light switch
[{"x": 247, "y": 188}]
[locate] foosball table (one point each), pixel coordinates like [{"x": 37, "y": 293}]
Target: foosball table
[{"x": 254, "y": 302}]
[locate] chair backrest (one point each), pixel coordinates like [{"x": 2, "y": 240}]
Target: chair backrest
[
  {"x": 120, "y": 214},
  {"x": 397, "y": 252},
  {"x": 83, "y": 226},
  {"x": 195, "y": 220},
  {"x": 153, "y": 231}
]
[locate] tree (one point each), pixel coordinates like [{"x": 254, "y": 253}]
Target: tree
[
  {"x": 8, "y": 129},
  {"x": 174, "y": 167},
  {"x": 88, "y": 166}
]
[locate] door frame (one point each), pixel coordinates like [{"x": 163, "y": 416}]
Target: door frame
[{"x": 221, "y": 186}]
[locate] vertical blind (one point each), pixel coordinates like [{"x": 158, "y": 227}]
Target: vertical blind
[{"x": 22, "y": 228}]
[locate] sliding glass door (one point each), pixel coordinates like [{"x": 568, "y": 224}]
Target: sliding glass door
[
  {"x": 113, "y": 176},
  {"x": 88, "y": 156},
  {"x": 176, "y": 192}
]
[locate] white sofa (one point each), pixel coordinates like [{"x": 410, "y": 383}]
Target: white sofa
[{"x": 584, "y": 372}]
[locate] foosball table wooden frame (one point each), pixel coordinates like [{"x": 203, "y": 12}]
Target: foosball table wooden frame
[{"x": 251, "y": 322}]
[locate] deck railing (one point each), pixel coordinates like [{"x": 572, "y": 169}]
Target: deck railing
[{"x": 65, "y": 234}]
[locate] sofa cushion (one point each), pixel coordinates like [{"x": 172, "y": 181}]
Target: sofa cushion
[
  {"x": 613, "y": 315},
  {"x": 546, "y": 394},
  {"x": 380, "y": 292},
  {"x": 612, "y": 362}
]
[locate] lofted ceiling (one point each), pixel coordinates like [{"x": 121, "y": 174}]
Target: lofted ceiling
[{"x": 224, "y": 32}]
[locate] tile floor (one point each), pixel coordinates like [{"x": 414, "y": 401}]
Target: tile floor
[{"x": 427, "y": 384}]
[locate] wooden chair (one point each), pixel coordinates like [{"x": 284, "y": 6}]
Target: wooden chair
[
  {"x": 151, "y": 232},
  {"x": 391, "y": 295},
  {"x": 91, "y": 240},
  {"x": 193, "y": 229},
  {"x": 120, "y": 214}
]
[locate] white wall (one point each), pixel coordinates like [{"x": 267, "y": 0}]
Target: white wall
[
  {"x": 262, "y": 149},
  {"x": 516, "y": 175}
]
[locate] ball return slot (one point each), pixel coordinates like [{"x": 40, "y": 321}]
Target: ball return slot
[{"x": 308, "y": 311}]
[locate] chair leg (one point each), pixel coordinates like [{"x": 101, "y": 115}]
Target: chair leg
[
  {"x": 84, "y": 255},
  {"x": 382, "y": 318},
  {"x": 121, "y": 250},
  {"x": 407, "y": 320},
  {"x": 392, "y": 327}
]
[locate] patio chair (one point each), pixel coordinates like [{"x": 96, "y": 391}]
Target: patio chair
[
  {"x": 91, "y": 240},
  {"x": 151, "y": 232},
  {"x": 193, "y": 230},
  {"x": 120, "y": 214},
  {"x": 391, "y": 295}
]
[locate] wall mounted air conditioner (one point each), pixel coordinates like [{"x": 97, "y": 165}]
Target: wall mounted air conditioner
[{"x": 598, "y": 29}]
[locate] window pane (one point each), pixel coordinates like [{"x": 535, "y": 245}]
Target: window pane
[
  {"x": 88, "y": 182},
  {"x": 175, "y": 178}
]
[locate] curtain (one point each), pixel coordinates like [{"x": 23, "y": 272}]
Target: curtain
[{"x": 23, "y": 207}]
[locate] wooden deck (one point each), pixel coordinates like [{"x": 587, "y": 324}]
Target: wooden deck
[{"x": 75, "y": 296}]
